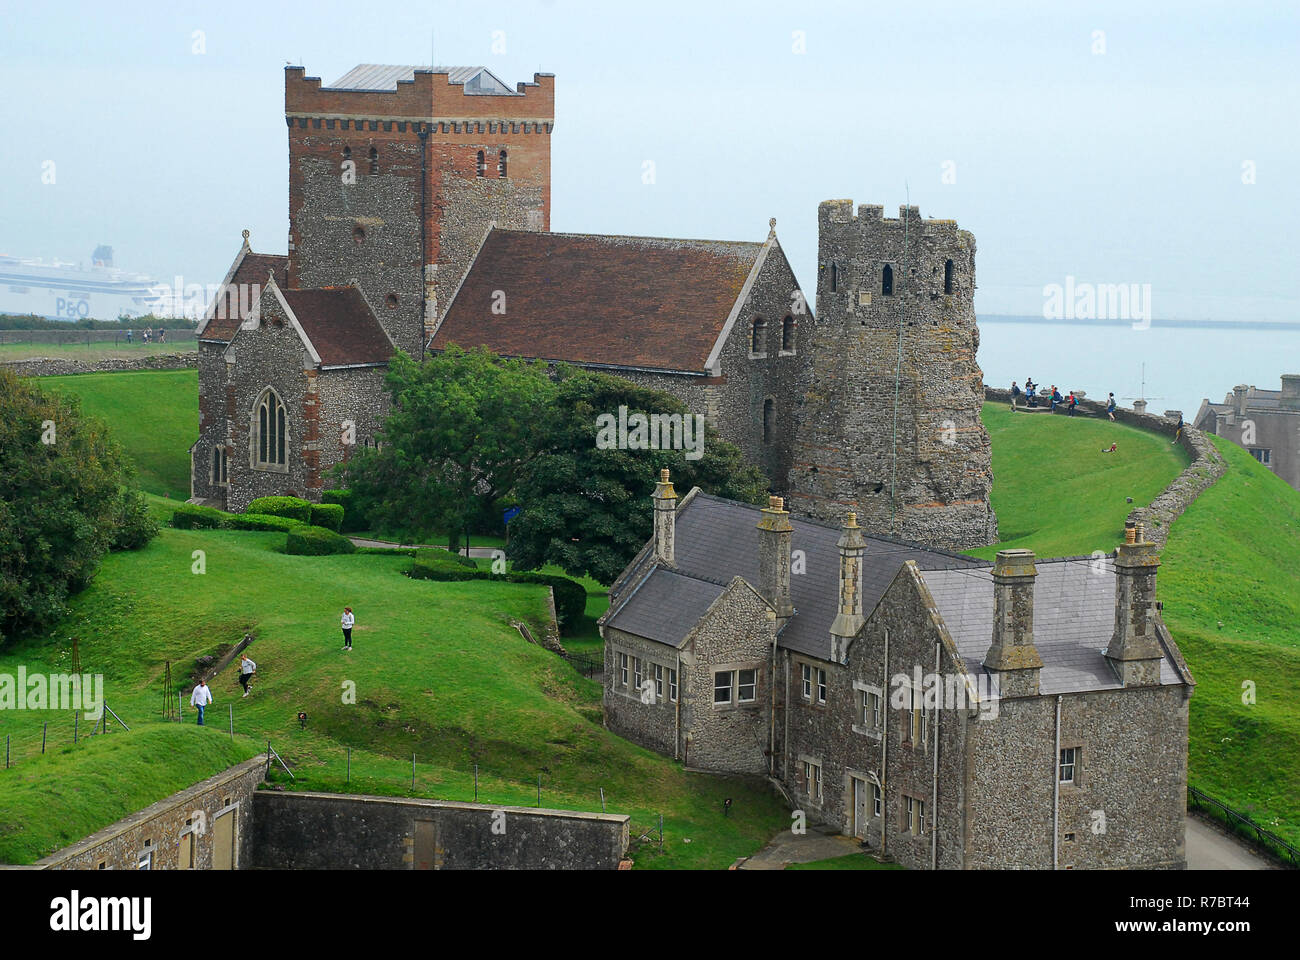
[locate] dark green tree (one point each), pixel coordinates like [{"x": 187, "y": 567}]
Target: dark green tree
[
  {"x": 587, "y": 509},
  {"x": 463, "y": 426},
  {"x": 63, "y": 503}
]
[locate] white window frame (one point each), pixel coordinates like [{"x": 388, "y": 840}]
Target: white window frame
[
  {"x": 622, "y": 669},
  {"x": 806, "y": 675},
  {"x": 658, "y": 672},
  {"x": 821, "y": 686},
  {"x": 731, "y": 687},
  {"x": 741, "y": 685},
  {"x": 1072, "y": 764},
  {"x": 672, "y": 684},
  {"x": 638, "y": 674},
  {"x": 877, "y": 801}
]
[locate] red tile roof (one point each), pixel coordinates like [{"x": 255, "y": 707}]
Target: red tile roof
[
  {"x": 583, "y": 298},
  {"x": 251, "y": 275},
  {"x": 340, "y": 325}
]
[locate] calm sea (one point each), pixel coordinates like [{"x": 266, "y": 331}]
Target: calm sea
[{"x": 1184, "y": 362}]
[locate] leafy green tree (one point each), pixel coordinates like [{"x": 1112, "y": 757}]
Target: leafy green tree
[
  {"x": 62, "y": 503},
  {"x": 587, "y": 509},
  {"x": 463, "y": 426}
]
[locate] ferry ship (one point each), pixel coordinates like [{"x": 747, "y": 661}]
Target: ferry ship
[{"x": 60, "y": 290}]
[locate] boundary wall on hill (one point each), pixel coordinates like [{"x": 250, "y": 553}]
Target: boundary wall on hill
[
  {"x": 1206, "y": 467},
  {"x": 59, "y": 366}
]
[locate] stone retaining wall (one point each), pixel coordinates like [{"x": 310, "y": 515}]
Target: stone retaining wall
[
  {"x": 1205, "y": 469},
  {"x": 58, "y": 367}
]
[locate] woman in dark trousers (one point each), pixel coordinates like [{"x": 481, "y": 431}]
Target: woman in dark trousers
[{"x": 347, "y": 622}]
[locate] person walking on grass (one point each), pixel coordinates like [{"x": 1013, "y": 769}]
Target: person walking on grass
[
  {"x": 1074, "y": 402},
  {"x": 246, "y": 670},
  {"x": 1015, "y": 394},
  {"x": 200, "y": 698},
  {"x": 1110, "y": 406},
  {"x": 347, "y": 622}
]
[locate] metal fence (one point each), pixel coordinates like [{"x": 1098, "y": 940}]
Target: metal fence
[{"x": 1240, "y": 824}]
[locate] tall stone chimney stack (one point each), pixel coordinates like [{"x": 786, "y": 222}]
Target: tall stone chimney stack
[
  {"x": 1290, "y": 398},
  {"x": 665, "y": 501},
  {"x": 849, "y": 619},
  {"x": 774, "y": 533},
  {"x": 1239, "y": 399},
  {"x": 1134, "y": 650},
  {"x": 1013, "y": 654}
]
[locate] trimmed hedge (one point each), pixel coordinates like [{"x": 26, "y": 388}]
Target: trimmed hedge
[
  {"x": 327, "y": 515},
  {"x": 190, "y": 516},
  {"x": 354, "y": 521},
  {"x": 444, "y": 559},
  {"x": 305, "y": 541},
  {"x": 570, "y": 596},
  {"x": 257, "y": 521},
  {"x": 291, "y": 507}
]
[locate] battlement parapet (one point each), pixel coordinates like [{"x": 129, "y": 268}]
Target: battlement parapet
[{"x": 429, "y": 95}]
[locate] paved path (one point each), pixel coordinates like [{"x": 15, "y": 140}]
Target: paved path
[
  {"x": 485, "y": 552},
  {"x": 1210, "y": 848},
  {"x": 814, "y": 845}
]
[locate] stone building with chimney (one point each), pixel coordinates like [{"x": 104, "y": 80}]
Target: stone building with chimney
[
  {"x": 949, "y": 712},
  {"x": 1265, "y": 423}
]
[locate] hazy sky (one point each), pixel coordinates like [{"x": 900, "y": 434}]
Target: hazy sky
[{"x": 1122, "y": 166}]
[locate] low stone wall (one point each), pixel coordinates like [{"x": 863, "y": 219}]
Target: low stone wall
[
  {"x": 58, "y": 367},
  {"x": 1206, "y": 468},
  {"x": 326, "y": 831},
  {"x": 179, "y": 832}
]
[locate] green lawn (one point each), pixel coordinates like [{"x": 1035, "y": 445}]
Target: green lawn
[
  {"x": 1057, "y": 494},
  {"x": 438, "y": 673},
  {"x": 153, "y": 413},
  {"x": 852, "y": 861}
]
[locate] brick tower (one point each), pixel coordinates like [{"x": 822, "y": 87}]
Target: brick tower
[
  {"x": 901, "y": 444},
  {"x": 396, "y": 172}
]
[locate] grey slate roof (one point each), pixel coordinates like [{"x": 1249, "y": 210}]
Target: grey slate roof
[
  {"x": 665, "y": 606},
  {"x": 717, "y": 540},
  {"x": 477, "y": 80},
  {"x": 1074, "y": 616}
]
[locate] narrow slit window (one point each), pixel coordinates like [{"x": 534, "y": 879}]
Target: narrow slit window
[
  {"x": 501, "y": 165},
  {"x": 887, "y": 281}
]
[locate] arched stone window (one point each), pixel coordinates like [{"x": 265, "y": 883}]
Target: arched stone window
[
  {"x": 481, "y": 164},
  {"x": 887, "y": 281},
  {"x": 219, "y": 473},
  {"x": 374, "y": 160},
  {"x": 947, "y": 277},
  {"x": 501, "y": 165},
  {"x": 835, "y": 277},
  {"x": 769, "y": 420},
  {"x": 347, "y": 153},
  {"x": 758, "y": 336},
  {"x": 787, "y": 335},
  {"x": 269, "y": 439}
]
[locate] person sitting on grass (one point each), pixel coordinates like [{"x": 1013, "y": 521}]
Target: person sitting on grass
[{"x": 1111, "y": 449}]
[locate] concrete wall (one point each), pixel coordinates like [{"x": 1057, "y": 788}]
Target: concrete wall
[
  {"x": 184, "y": 821},
  {"x": 317, "y": 831}
]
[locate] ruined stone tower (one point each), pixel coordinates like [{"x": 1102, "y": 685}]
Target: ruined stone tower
[
  {"x": 395, "y": 174},
  {"x": 890, "y": 426}
]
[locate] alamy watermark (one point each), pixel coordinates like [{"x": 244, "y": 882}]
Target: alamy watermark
[
  {"x": 53, "y": 691},
  {"x": 655, "y": 431},
  {"x": 1098, "y": 301}
]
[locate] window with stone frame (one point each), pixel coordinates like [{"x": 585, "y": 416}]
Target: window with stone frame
[
  {"x": 1262, "y": 454},
  {"x": 501, "y": 165},
  {"x": 672, "y": 685},
  {"x": 787, "y": 335},
  {"x": 947, "y": 276},
  {"x": 658, "y": 672},
  {"x": 220, "y": 472},
  {"x": 269, "y": 442},
  {"x": 913, "y": 815},
  {"x": 758, "y": 337},
  {"x": 821, "y": 686},
  {"x": 877, "y": 801},
  {"x": 806, "y": 672},
  {"x": 374, "y": 160},
  {"x": 637, "y": 672},
  {"x": 887, "y": 281},
  {"x": 1069, "y": 772},
  {"x": 871, "y": 709},
  {"x": 746, "y": 686},
  {"x": 622, "y": 669},
  {"x": 723, "y": 682}
]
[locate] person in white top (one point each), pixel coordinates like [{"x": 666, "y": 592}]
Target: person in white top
[
  {"x": 347, "y": 622},
  {"x": 246, "y": 670},
  {"x": 200, "y": 698}
]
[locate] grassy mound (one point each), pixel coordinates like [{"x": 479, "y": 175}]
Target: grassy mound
[
  {"x": 154, "y": 414},
  {"x": 72, "y": 791}
]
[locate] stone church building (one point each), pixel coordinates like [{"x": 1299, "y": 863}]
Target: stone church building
[
  {"x": 949, "y": 712},
  {"x": 419, "y": 217}
]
